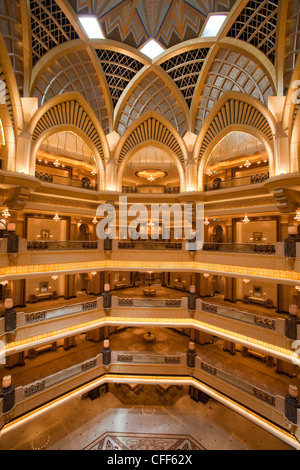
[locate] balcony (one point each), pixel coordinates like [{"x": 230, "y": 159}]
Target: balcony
[
  {"x": 247, "y": 381},
  {"x": 61, "y": 245},
  {"x": 150, "y": 189},
  {"x": 241, "y": 248},
  {"x": 65, "y": 181},
  {"x": 237, "y": 182}
]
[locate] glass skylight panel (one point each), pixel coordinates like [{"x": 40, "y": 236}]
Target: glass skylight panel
[
  {"x": 91, "y": 27},
  {"x": 152, "y": 49},
  {"x": 213, "y": 25}
]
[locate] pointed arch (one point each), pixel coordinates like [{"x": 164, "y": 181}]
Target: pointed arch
[
  {"x": 152, "y": 129},
  {"x": 236, "y": 109},
  {"x": 232, "y": 67},
  {"x": 69, "y": 109},
  {"x": 73, "y": 68},
  {"x": 227, "y": 130}
]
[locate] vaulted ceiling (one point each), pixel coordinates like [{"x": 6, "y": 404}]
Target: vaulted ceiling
[{"x": 50, "y": 55}]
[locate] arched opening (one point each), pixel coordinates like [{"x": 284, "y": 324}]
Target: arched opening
[
  {"x": 84, "y": 233},
  {"x": 151, "y": 170},
  {"x": 239, "y": 159},
  {"x": 217, "y": 234},
  {"x": 65, "y": 158}
]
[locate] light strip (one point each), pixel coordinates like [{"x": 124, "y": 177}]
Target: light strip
[
  {"x": 280, "y": 276},
  {"x": 91, "y": 27},
  {"x": 150, "y": 380},
  {"x": 277, "y": 351}
]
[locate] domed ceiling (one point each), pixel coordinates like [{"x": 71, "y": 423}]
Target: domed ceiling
[{"x": 133, "y": 22}]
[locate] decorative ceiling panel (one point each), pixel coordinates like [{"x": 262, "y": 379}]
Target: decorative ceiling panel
[
  {"x": 152, "y": 94},
  {"x": 257, "y": 25},
  {"x": 49, "y": 27},
  {"x": 232, "y": 71},
  {"x": 119, "y": 70},
  {"x": 292, "y": 46},
  {"x": 169, "y": 21},
  {"x": 184, "y": 69},
  {"x": 11, "y": 30}
]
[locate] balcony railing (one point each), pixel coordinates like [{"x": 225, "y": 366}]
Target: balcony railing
[
  {"x": 60, "y": 245},
  {"x": 162, "y": 190},
  {"x": 236, "y": 182},
  {"x": 240, "y": 248},
  {"x": 150, "y": 245},
  {"x": 65, "y": 181}
]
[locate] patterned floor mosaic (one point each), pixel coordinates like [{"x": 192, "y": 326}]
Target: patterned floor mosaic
[{"x": 130, "y": 441}]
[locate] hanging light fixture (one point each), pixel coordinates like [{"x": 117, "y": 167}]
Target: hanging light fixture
[
  {"x": 298, "y": 216},
  {"x": 207, "y": 222},
  {"x": 246, "y": 220},
  {"x": 56, "y": 218},
  {"x": 151, "y": 178},
  {"x": 95, "y": 221}
]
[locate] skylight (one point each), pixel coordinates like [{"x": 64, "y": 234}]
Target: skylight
[
  {"x": 213, "y": 25},
  {"x": 152, "y": 49},
  {"x": 91, "y": 27}
]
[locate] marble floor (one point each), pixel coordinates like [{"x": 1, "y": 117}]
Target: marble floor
[{"x": 78, "y": 424}]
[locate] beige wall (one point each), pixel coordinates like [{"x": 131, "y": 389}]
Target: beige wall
[{"x": 57, "y": 229}]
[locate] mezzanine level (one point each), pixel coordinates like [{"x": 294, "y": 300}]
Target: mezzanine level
[{"x": 251, "y": 326}]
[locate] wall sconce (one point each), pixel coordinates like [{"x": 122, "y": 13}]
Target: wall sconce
[
  {"x": 94, "y": 273},
  {"x": 56, "y": 218},
  {"x": 246, "y": 281},
  {"x": 246, "y": 220},
  {"x": 54, "y": 278},
  {"x": 298, "y": 216},
  {"x": 207, "y": 222},
  {"x": 206, "y": 275},
  {"x": 95, "y": 221},
  {"x": 56, "y": 163},
  {"x": 6, "y": 213}
]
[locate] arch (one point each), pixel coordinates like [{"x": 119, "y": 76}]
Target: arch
[
  {"x": 152, "y": 90},
  {"x": 151, "y": 127},
  {"x": 70, "y": 109},
  {"x": 141, "y": 146},
  {"x": 243, "y": 128},
  {"x": 70, "y": 128},
  {"x": 232, "y": 68},
  {"x": 74, "y": 69}
]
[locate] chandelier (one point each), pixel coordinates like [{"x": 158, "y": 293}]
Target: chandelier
[
  {"x": 246, "y": 220},
  {"x": 6, "y": 213},
  {"x": 151, "y": 175},
  {"x": 56, "y": 218},
  {"x": 94, "y": 221},
  {"x": 207, "y": 222}
]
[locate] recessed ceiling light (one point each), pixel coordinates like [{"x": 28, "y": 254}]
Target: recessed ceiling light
[
  {"x": 152, "y": 49},
  {"x": 91, "y": 27},
  {"x": 213, "y": 25}
]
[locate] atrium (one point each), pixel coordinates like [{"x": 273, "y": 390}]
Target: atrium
[{"x": 150, "y": 224}]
